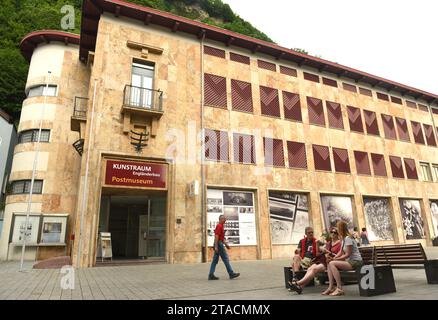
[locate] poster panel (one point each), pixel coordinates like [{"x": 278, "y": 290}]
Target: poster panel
[
  {"x": 434, "y": 212},
  {"x": 54, "y": 229},
  {"x": 21, "y": 230},
  {"x": 289, "y": 216},
  {"x": 412, "y": 219},
  {"x": 335, "y": 208},
  {"x": 378, "y": 219}
]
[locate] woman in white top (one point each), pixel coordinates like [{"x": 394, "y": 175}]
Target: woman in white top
[{"x": 348, "y": 258}]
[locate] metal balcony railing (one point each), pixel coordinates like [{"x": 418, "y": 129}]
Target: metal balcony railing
[
  {"x": 143, "y": 98},
  {"x": 80, "y": 107}
]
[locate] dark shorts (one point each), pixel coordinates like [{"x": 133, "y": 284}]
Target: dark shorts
[{"x": 355, "y": 264}]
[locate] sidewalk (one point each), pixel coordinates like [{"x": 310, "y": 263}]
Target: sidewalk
[{"x": 259, "y": 280}]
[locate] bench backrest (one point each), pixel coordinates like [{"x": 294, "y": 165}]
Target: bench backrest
[
  {"x": 368, "y": 254},
  {"x": 404, "y": 254}
]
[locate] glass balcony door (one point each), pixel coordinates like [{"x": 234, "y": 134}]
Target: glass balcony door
[{"x": 142, "y": 83}]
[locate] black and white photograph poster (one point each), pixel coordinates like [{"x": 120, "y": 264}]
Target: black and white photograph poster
[
  {"x": 434, "y": 212},
  {"x": 238, "y": 208},
  {"x": 378, "y": 218},
  {"x": 289, "y": 216},
  {"x": 336, "y": 208},
  {"x": 412, "y": 220}
]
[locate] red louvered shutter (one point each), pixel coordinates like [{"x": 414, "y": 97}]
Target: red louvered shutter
[
  {"x": 417, "y": 132},
  {"x": 422, "y": 107},
  {"x": 411, "y": 169},
  {"x": 365, "y": 92},
  {"x": 329, "y": 82},
  {"x": 214, "y": 52},
  {"x": 411, "y": 104},
  {"x": 288, "y": 71},
  {"x": 371, "y": 123},
  {"x": 316, "y": 111},
  {"x": 267, "y": 65},
  {"x": 396, "y": 167},
  {"x": 244, "y": 148},
  {"x": 388, "y": 127},
  {"x": 340, "y": 158},
  {"x": 430, "y": 136},
  {"x": 215, "y": 91},
  {"x": 396, "y": 100},
  {"x": 292, "y": 106},
  {"x": 355, "y": 119},
  {"x": 274, "y": 154},
  {"x": 434, "y": 110},
  {"x": 382, "y": 96},
  {"x": 362, "y": 163},
  {"x": 216, "y": 145},
  {"x": 239, "y": 58},
  {"x": 379, "y": 166},
  {"x": 297, "y": 155},
  {"x": 349, "y": 87},
  {"x": 241, "y": 96},
  {"x": 321, "y": 157},
  {"x": 269, "y": 101},
  {"x": 334, "y": 114},
  {"x": 402, "y": 128},
  {"x": 311, "y": 77}
]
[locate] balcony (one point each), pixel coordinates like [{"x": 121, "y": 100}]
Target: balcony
[
  {"x": 79, "y": 117},
  {"x": 144, "y": 103}
]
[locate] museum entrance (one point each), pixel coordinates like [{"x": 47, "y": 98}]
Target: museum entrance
[{"x": 136, "y": 225}]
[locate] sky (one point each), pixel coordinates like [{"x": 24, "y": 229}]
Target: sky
[{"x": 396, "y": 40}]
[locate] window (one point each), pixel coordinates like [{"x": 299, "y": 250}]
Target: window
[
  {"x": 239, "y": 58},
  {"x": 340, "y": 158},
  {"x": 430, "y": 136},
  {"x": 288, "y": 71},
  {"x": 382, "y": 96},
  {"x": 23, "y": 186},
  {"x": 321, "y": 158},
  {"x": 349, "y": 87},
  {"x": 215, "y": 91},
  {"x": 396, "y": 100},
  {"x": 292, "y": 106},
  {"x": 214, "y": 52},
  {"x": 411, "y": 169},
  {"x": 411, "y": 104},
  {"x": 316, "y": 111},
  {"x": 32, "y": 136},
  {"x": 269, "y": 102},
  {"x": 330, "y": 82},
  {"x": 142, "y": 85},
  {"x": 371, "y": 123},
  {"x": 388, "y": 127},
  {"x": 297, "y": 155},
  {"x": 355, "y": 119},
  {"x": 379, "y": 166},
  {"x": 422, "y": 107},
  {"x": 396, "y": 167},
  {"x": 42, "y": 90},
  {"x": 334, "y": 114},
  {"x": 402, "y": 129},
  {"x": 362, "y": 163},
  {"x": 435, "y": 172},
  {"x": 267, "y": 65},
  {"x": 274, "y": 154},
  {"x": 365, "y": 92},
  {"x": 311, "y": 77},
  {"x": 426, "y": 173},
  {"x": 417, "y": 132},
  {"x": 216, "y": 145},
  {"x": 244, "y": 149},
  {"x": 241, "y": 96}
]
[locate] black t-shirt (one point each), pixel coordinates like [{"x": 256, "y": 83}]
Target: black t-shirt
[{"x": 308, "y": 251}]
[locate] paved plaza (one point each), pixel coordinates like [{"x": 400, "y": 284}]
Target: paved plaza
[{"x": 260, "y": 280}]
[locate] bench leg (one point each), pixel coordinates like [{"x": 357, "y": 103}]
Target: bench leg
[
  {"x": 431, "y": 268},
  {"x": 375, "y": 280}
]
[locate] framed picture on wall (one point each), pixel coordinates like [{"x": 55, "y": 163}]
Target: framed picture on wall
[
  {"x": 22, "y": 231},
  {"x": 53, "y": 228},
  {"x": 412, "y": 219},
  {"x": 378, "y": 218},
  {"x": 434, "y": 212},
  {"x": 336, "y": 208}
]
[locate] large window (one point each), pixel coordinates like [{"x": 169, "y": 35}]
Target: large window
[
  {"x": 32, "y": 136},
  {"x": 426, "y": 173},
  {"x": 42, "y": 90},
  {"x": 435, "y": 172},
  {"x": 23, "y": 186}
]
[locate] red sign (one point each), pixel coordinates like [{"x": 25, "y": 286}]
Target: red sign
[{"x": 136, "y": 174}]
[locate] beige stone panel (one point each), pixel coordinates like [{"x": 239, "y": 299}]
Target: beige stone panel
[
  {"x": 31, "y": 146},
  {"x": 187, "y": 257},
  {"x": 34, "y": 124},
  {"x": 283, "y": 251},
  {"x": 316, "y": 135},
  {"x": 32, "y": 112},
  {"x": 344, "y": 183},
  {"x": 24, "y": 161},
  {"x": 237, "y": 253},
  {"x": 367, "y": 185},
  {"x": 325, "y": 181}
]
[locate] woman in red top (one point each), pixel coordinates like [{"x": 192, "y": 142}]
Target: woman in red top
[{"x": 319, "y": 263}]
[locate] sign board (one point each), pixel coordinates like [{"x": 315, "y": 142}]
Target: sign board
[
  {"x": 136, "y": 174},
  {"x": 105, "y": 245}
]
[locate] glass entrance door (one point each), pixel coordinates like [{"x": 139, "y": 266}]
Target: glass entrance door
[
  {"x": 152, "y": 230},
  {"x": 142, "y": 83}
]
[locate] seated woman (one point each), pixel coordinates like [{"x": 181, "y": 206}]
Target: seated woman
[
  {"x": 348, "y": 258},
  {"x": 332, "y": 247}
]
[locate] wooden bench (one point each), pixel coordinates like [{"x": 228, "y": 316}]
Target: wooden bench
[{"x": 407, "y": 256}]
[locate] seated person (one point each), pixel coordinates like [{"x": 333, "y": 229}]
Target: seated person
[
  {"x": 332, "y": 247},
  {"x": 306, "y": 251}
]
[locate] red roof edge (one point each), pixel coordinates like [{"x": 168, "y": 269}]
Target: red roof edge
[{"x": 33, "y": 39}]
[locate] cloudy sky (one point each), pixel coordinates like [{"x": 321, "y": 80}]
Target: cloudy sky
[{"x": 394, "y": 39}]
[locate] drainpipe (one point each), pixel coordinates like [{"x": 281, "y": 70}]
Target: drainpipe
[{"x": 203, "y": 195}]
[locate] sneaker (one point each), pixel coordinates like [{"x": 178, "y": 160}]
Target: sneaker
[
  {"x": 212, "y": 277},
  {"x": 234, "y": 275},
  {"x": 295, "y": 287}
]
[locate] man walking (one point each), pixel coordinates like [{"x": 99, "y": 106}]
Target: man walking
[{"x": 219, "y": 250}]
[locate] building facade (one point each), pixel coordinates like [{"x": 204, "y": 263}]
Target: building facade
[{"x": 156, "y": 125}]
